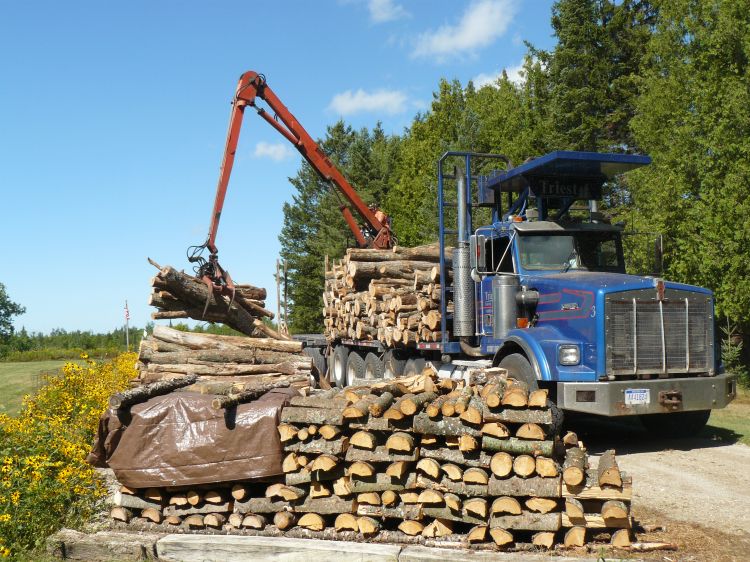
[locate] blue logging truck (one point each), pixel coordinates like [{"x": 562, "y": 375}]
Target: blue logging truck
[{"x": 547, "y": 297}]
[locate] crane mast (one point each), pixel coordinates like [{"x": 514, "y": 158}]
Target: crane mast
[{"x": 376, "y": 231}]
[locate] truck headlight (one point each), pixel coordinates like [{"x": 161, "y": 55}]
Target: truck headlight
[{"x": 569, "y": 355}]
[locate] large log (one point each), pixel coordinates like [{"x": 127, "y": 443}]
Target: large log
[
  {"x": 446, "y": 426},
  {"x": 299, "y": 366},
  {"x": 518, "y": 446},
  {"x": 192, "y": 340},
  {"x": 528, "y": 521},
  {"x": 326, "y": 506},
  {"x": 254, "y": 356},
  {"x": 232, "y": 400},
  {"x": 516, "y": 486},
  {"x": 138, "y": 394}
]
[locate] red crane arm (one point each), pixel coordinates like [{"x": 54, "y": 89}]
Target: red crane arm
[{"x": 253, "y": 85}]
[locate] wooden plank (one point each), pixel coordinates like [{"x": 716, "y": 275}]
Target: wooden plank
[{"x": 596, "y": 521}]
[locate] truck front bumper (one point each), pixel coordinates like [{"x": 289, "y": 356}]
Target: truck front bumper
[{"x": 653, "y": 396}]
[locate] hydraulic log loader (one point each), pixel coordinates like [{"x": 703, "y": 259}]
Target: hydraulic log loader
[{"x": 535, "y": 291}]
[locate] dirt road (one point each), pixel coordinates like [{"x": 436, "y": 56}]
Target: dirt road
[{"x": 696, "y": 487}]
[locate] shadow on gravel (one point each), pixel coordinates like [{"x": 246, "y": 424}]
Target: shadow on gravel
[{"x": 627, "y": 435}]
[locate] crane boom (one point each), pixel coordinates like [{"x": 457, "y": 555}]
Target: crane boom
[{"x": 376, "y": 232}]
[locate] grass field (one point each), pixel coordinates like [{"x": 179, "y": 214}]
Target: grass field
[
  {"x": 18, "y": 379},
  {"x": 732, "y": 422}
]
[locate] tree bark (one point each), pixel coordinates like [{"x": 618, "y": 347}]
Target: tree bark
[{"x": 122, "y": 400}]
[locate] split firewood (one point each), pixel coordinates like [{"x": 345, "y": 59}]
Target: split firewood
[
  {"x": 411, "y": 528},
  {"x": 409, "y": 496},
  {"x": 477, "y": 534},
  {"x": 411, "y": 404},
  {"x": 312, "y": 521},
  {"x": 430, "y": 467},
  {"x": 431, "y": 497},
  {"x": 287, "y": 432},
  {"x": 400, "y": 442},
  {"x": 608, "y": 471},
  {"x": 531, "y": 431},
  {"x": 178, "y": 499},
  {"x": 323, "y": 463},
  {"x": 151, "y": 514},
  {"x": 621, "y": 538},
  {"x": 541, "y": 505},
  {"x": 467, "y": 444},
  {"x": 346, "y": 522},
  {"x": 364, "y": 440},
  {"x": 398, "y": 469},
  {"x": 173, "y": 520},
  {"x": 574, "y": 469},
  {"x": 214, "y": 497},
  {"x": 341, "y": 486},
  {"x": 505, "y": 505},
  {"x": 194, "y": 522},
  {"x": 538, "y": 398},
  {"x": 452, "y": 471},
  {"x": 253, "y": 521},
  {"x": 524, "y": 465},
  {"x": 330, "y": 432},
  {"x": 495, "y": 429},
  {"x": 476, "y": 506},
  {"x": 438, "y": 528},
  {"x": 361, "y": 468},
  {"x": 389, "y": 498},
  {"x": 501, "y": 464},
  {"x": 475, "y": 475},
  {"x": 545, "y": 539},
  {"x": 575, "y": 537},
  {"x": 214, "y": 520},
  {"x": 194, "y": 497},
  {"x": 284, "y": 520},
  {"x": 319, "y": 490},
  {"x": 570, "y": 439},
  {"x": 613, "y": 509},
  {"x": 574, "y": 508},
  {"x": 547, "y": 467},
  {"x": 516, "y": 394},
  {"x": 501, "y": 537},
  {"x": 452, "y": 501},
  {"x": 367, "y": 526},
  {"x": 380, "y": 405},
  {"x": 119, "y": 513}
]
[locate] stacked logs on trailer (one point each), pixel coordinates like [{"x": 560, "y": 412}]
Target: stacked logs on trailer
[
  {"x": 177, "y": 294},
  {"x": 391, "y": 296},
  {"x": 415, "y": 460},
  {"x": 222, "y": 365}
]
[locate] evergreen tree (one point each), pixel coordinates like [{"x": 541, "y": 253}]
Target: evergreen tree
[{"x": 8, "y": 309}]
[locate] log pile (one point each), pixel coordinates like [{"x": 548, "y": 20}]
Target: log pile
[
  {"x": 416, "y": 460},
  {"x": 222, "y": 365},
  {"x": 179, "y": 295},
  {"x": 391, "y": 296}
]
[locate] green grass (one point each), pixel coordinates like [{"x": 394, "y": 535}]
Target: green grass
[
  {"x": 732, "y": 422},
  {"x": 19, "y": 379}
]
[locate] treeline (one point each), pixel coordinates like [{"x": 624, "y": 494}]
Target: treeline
[
  {"x": 665, "y": 78},
  {"x": 63, "y": 344}
]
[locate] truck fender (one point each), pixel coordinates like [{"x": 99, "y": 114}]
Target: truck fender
[{"x": 519, "y": 342}]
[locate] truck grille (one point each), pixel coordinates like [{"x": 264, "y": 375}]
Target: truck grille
[{"x": 646, "y": 336}]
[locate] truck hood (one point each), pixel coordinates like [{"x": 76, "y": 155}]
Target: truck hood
[{"x": 598, "y": 282}]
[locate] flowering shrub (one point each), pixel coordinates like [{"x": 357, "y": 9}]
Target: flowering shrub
[{"x": 45, "y": 482}]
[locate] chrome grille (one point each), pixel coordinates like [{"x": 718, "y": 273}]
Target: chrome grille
[{"x": 648, "y": 336}]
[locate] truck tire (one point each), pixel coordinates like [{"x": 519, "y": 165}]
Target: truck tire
[
  {"x": 414, "y": 366},
  {"x": 319, "y": 365},
  {"x": 520, "y": 369},
  {"x": 373, "y": 366},
  {"x": 338, "y": 365},
  {"x": 677, "y": 424},
  {"x": 393, "y": 364},
  {"x": 355, "y": 368}
]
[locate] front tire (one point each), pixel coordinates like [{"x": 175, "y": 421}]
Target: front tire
[
  {"x": 676, "y": 425},
  {"x": 520, "y": 369},
  {"x": 319, "y": 365}
]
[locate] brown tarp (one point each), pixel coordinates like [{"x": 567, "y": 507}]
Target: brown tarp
[{"x": 179, "y": 439}]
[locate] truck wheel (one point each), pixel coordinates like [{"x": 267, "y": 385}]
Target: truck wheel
[
  {"x": 520, "y": 369},
  {"x": 355, "y": 368},
  {"x": 678, "y": 424},
  {"x": 319, "y": 365},
  {"x": 338, "y": 365},
  {"x": 393, "y": 365},
  {"x": 373, "y": 366},
  {"x": 414, "y": 366}
]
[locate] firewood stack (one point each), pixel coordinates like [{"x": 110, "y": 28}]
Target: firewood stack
[
  {"x": 416, "y": 461},
  {"x": 221, "y": 364},
  {"x": 177, "y": 294},
  {"x": 391, "y": 296}
]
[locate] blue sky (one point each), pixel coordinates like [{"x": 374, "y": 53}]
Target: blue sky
[{"x": 113, "y": 118}]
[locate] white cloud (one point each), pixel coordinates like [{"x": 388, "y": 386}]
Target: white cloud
[
  {"x": 515, "y": 75},
  {"x": 480, "y": 25},
  {"x": 385, "y": 10},
  {"x": 275, "y": 151},
  {"x": 383, "y": 101}
]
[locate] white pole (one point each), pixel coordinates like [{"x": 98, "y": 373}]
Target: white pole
[{"x": 127, "y": 329}]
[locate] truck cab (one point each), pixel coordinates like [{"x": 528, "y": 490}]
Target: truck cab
[{"x": 545, "y": 294}]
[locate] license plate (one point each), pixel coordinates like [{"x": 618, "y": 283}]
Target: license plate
[{"x": 637, "y": 396}]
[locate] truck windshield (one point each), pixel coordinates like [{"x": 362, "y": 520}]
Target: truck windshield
[{"x": 588, "y": 251}]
